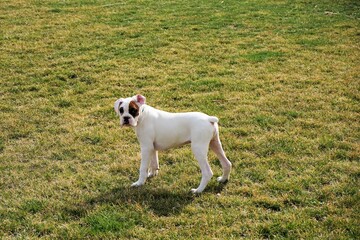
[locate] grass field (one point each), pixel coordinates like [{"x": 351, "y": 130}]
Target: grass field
[{"x": 282, "y": 76}]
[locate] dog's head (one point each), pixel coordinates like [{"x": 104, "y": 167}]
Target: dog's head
[{"x": 129, "y": 109}]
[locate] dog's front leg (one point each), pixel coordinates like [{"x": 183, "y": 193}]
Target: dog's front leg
[
  {"x": 154, "y": 165},
  {"x": 146, "y": 155}
]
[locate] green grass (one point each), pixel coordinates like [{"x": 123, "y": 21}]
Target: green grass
[{"x": 282, "y": 76}]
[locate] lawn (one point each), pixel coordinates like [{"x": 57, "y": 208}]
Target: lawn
[{"x": 282, "y": 76}]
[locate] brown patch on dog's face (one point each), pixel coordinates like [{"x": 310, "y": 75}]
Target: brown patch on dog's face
[{"x": 133, "y": 109}]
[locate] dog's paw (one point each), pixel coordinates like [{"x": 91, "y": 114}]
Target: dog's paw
[
  {"x": 222, "y": 179},
  {"x": 137, "y": 184},
  {"x": 153, "y": 173},
  {"x": 195, "y": 191}
]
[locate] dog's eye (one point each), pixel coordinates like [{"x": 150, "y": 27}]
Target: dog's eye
[
  {"x": 121, "y": 110},
  {"x": 133, "y": 112}
]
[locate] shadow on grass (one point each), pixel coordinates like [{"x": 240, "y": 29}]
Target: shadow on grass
[
  {"x": 215, "y": 187},
  {"x": 161, "y": 202}
]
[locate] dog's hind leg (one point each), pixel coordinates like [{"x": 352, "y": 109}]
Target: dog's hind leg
[
  {"x": 216, "y": 146},
  {"x": 200, "y": 151}
]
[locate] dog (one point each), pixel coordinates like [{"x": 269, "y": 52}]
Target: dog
[{"x": 159, "y": 130}]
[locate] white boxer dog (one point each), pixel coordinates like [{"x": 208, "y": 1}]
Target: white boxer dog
[{"x": 160, "y": 130}]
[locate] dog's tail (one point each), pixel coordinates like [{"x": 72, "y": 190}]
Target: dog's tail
[{"x": 213, "y": 119}]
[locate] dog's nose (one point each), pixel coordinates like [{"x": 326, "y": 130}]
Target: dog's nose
[{"x": 126, "y": 119}]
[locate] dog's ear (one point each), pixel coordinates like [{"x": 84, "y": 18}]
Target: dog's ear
[
  {"x": 140, "y": 99},
  {"x": 117, "y": 105}
]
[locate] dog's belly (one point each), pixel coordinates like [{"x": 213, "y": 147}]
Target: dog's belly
[
  {"x": 171, "y": 132},
  {"x": 164, "y": 145}
]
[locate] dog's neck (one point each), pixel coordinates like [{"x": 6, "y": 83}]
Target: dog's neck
[{"x": 142, "y": 112}]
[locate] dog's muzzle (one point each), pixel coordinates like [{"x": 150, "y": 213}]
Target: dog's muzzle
[{"x": 126, "y": 120}]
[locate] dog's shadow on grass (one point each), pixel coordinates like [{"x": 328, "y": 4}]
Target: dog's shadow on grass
[{"x": 161, "y": 202}]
